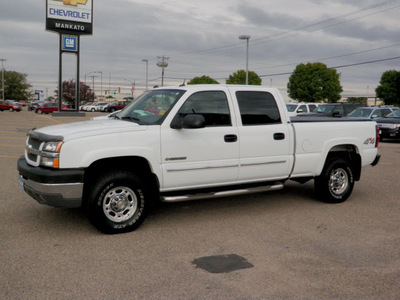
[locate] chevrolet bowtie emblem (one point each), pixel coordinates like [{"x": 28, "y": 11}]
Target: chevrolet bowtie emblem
[{"x": 73, "y": 2}]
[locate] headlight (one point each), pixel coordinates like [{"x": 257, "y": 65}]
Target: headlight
[
  {"x": 52, "y": 146},
  {"x": 50, "y": 154}
]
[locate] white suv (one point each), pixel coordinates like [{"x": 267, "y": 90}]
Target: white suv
[{"x": 301, "y": 107}]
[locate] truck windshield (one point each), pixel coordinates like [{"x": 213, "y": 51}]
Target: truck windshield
[
  {"x": 291, "y": 107},
  {"x": 325, "y": 109},
  {"x": 152, "y": 107}
]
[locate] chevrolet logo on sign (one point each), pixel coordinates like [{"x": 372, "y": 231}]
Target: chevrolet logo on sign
[{"x": 73, "y": 2}]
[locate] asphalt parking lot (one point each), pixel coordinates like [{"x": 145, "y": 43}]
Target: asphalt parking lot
[{"x": 278, "y": 245}]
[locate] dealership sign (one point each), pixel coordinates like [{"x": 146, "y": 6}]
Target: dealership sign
[{"x": 69, "y": 16}]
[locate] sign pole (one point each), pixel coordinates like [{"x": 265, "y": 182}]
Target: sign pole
[{"x": 70, "y": 19}]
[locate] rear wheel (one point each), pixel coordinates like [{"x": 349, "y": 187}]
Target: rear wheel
[
  {"x": 117, "y": 202},
  {"x": 336, "y": 181}
]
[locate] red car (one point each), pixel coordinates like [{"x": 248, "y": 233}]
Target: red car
[
  {"x": 117, "y": 105},
  {"x": 47, "y": 108},
  {"x": 10, "y": 105}
]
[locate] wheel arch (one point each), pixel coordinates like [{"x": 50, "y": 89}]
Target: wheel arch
[
  {"x": 137, "y": 165},
  {"x": 348, "y": 152}
]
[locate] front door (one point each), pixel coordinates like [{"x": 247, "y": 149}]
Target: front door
[{"x": 201, "y": 157}]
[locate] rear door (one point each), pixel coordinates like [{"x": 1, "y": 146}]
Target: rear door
[{"x": 265, "y": 141}]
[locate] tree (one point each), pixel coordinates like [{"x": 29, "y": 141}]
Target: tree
[
  {"x": 363, "y": 100},
  {"x": 240, "y": 78},
  {"x": 314, "y": 82},
  {"x": 68, "y": 88},
  {"x": 203, "y": 80},
  {"x": 389, "y": 89},
  {"x": 16, "y": 86}
]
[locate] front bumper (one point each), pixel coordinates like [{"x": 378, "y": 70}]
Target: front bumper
[
  {"x": 390, "y": 133},
  {"x": 53, "y": 187}
]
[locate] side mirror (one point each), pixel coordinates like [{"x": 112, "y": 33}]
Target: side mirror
[
  {"x": 300, "y": 110},
  {"x": 190, "y": 121}
]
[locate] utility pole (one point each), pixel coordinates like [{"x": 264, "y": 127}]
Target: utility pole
[
  {"x": 2, "y": 76},
  {"x": 93, "y": 85},
  {"x": 162, "y": 64}
]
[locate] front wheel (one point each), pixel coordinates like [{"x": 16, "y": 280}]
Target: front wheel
[
  {"x": 116, "y": 202},
  {"x": 11, "y": 109},
  {"x": 336, "y": 181}
]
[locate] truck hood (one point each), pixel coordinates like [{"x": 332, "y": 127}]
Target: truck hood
[
  {"x": 90, "y": 128},
  {"x": 389, "y": 120}
]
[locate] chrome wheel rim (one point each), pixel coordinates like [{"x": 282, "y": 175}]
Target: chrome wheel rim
[
  {"x": 338, "y": 181},
  {"x": 120, "y": 204}
]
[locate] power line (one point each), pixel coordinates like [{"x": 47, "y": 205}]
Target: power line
[
  {"x": 256, "y": 41},
  {"x": 340, "y": 66}
]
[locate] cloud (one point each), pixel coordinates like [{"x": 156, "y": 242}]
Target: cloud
[{"x": 201, "y": 38}]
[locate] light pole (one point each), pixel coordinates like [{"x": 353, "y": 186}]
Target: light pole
[
  {"x": 147, "y": 72},
  {"x": 246, "y": 37},
  {"x": 2, "y": 76}
]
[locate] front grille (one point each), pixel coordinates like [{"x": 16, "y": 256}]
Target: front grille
[
  {"x": 35, "y": 143},
  {"x": 32, "y": 145}
]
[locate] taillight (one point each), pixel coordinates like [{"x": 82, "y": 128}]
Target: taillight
[{"x": 377, "y": 139}]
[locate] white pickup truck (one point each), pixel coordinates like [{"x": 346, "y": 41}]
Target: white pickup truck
[{"x": 191, "y": 142}]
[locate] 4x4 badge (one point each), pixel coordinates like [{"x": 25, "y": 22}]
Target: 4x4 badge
[{"x": 369, "y": 141}]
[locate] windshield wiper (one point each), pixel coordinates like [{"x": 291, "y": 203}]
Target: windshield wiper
[{"x": 130, "y": 118}]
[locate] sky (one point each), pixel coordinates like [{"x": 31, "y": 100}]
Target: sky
[{"x": 360, "y": 38}]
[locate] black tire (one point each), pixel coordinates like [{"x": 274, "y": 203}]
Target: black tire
[
  {"x": 40, "y": 111},
  {"x": 117, "y": 202},
  {"x": 336, "y": 181},
  {"x": 11, "y": 109}
]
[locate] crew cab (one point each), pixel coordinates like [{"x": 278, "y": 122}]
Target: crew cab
[{"x": 203, "y": 141}]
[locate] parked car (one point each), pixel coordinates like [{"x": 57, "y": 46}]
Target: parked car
[
  {"x": 371, "y": 112},
  {"x": 333, "y": 109},
  {"x": 84, "y": 106},
  {"x": 48, "y": 108},
  {"x": 390, "y": 125},
  {"x": 22, "y": 103},
  {"x": 117, "y": 105},
  {"x": 10, "y": 105},
  {"x": 101, "y": 106},
  {"x": 92, "y": 106},
  {"x": 301, "y": 107},
  {"x": 207, "y": 144},
  {"x": 33, "y": 105}
]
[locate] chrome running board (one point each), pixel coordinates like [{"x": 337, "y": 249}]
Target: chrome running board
[{"x": 227, "y": 193}]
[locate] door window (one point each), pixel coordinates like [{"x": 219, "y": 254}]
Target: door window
[
  {"x": 257, "y": 108},
  {"x": 212, "y": 105}
]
